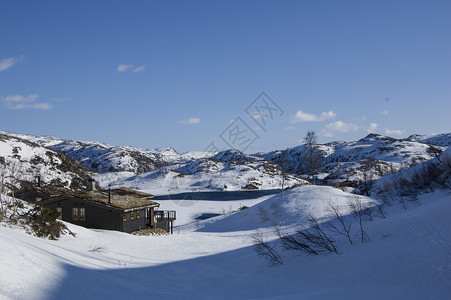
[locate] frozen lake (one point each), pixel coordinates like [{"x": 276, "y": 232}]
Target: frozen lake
[
  {"x": 218, "y": 195},
  {"x": 201, "y": 205}
]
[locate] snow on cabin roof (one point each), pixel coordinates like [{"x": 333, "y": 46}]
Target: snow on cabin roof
[{"x": 120, "y": 198}]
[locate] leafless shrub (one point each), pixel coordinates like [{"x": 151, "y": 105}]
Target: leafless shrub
[
  {"x": 403, "y": 202},
  {"x": 368, "y": 212},
  {"x": 343, "y": 227},
  {"x": 265, "y": 250},
  {"x": 381, "y": 211},
  {"x": 275, "y": 210},
  {"x": 435, "y": 151},
  {"x": 15, "y": 172},
  {"x": 357, "y": 210},
  {"x": 263, "y": 214},
  {"x": 197, "y": 224},
  {"x": 388, "y": 194},
  {"x": 444, "y": 180},
  {"x": 312, "y": 240},
  {"x": 3, "y": 204},
  {"x": 407, "y": 188},
  {"x": 97, "y": 249}
]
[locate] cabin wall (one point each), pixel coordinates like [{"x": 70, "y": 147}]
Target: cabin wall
[
  {"x": 136, "y": 223},
  {"x": 95, "y": 216}
]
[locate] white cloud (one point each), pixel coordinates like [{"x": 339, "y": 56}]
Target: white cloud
[
  {"x": 123, "y": 67},
  {"x": 128, "y": 67},
  {"x": 372, "y": 128},
  {"x": 334, "y": 128},
  {"x": 139, "y": 69},
  {"x": 290, "y": 128},
  {"x": 385, "y": 112},
  {"x": 301, "y": 116},
  {"x": 190, "y": 121},
  {"x": 24, "y": 102},
  {"x": 393, "y": 131},
  {"x": 7, "y": 63}
]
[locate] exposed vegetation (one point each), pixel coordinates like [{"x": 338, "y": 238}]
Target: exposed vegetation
[
  {"x": 150, "y": 231},
  {"x": 43, "y": 223}
]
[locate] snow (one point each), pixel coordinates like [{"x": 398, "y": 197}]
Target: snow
[
  {"x": 289, "y": 210},
  {"x": 202, "y": 176},
  {"x": 34, "y": 160},
  {"x": 408, "y": 257}
]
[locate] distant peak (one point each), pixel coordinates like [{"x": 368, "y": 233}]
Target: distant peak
[{"x": 166, "y": 150}]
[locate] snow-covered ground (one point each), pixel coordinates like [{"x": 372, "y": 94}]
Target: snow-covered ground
[{"x": 408, "y": 257}]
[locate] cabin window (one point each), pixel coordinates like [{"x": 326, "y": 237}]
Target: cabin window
[
  {"x": 132, "y": 215},
  {"x": 138, "y": 214},
  {"x": 82, "y": 213},
  {"x": 59, "y": 211},
  {"x": 124, "y": 217},
  {"x": 74, "y": 213}
]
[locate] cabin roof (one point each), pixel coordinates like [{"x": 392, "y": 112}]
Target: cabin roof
[{"x": 123, "y": 198}]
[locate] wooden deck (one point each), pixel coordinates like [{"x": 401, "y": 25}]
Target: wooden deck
[{"x": 164, "y": 219}]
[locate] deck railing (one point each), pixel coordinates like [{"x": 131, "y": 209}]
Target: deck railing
[{"x": 165, "y": 215}]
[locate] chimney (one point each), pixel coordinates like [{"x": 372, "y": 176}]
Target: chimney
[
  {"x": 91, "y": 185},
  {"x": 109, "y": 194}
]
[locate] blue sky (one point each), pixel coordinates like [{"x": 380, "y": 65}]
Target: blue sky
[{"x": 182, "y": 73}]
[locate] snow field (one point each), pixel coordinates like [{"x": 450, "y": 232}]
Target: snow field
[{"x": 408, "y": 257}]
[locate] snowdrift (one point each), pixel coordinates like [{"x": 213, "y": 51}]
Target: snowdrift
[{"x": 289, "y": 210}]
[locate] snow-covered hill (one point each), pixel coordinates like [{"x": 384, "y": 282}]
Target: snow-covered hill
[
  {"x": 156, "y": 170},
  {"x": 443, "y": 139},
  {"x": 226, "y": 171},
  {"x": 370, "y": 157},
  {"x": 23, "y": 160},
  {"x": 101, "y": 157}
]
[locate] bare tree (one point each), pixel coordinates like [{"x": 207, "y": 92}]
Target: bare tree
[
  {"x": 3, "y": 205},
  {"x": 343, "y": 227},
  {"x": 265, "y": 250},
  {"x": 283, "y": 157},
  {"x": 338, "y": 174},
  {"x": 368, "y": 165},
  {"x": 313, "y": 156},
  {"x": 435, "y": 151},
  {"x": 15, "y": 172}
]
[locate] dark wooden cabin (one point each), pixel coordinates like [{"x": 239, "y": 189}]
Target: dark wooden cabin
[{"x": 120, "y": 209}]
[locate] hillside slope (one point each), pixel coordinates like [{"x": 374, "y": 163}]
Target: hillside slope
[
  {"x": 408, "y": 257},
  {"x": 345, "y": 163},
  {"x": 31, "y": 160},
  {"x": 373, "y": 157}
]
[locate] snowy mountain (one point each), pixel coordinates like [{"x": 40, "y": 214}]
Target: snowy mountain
[
  {"x": 371, "y": 157},
  {"x": 23, "y": 160},
  {"x": 443, "y": 139},
  {"x": 101, "y": 157},
  {"x": 229, "y": 170},
  {"x": 162, "y": 169}
]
